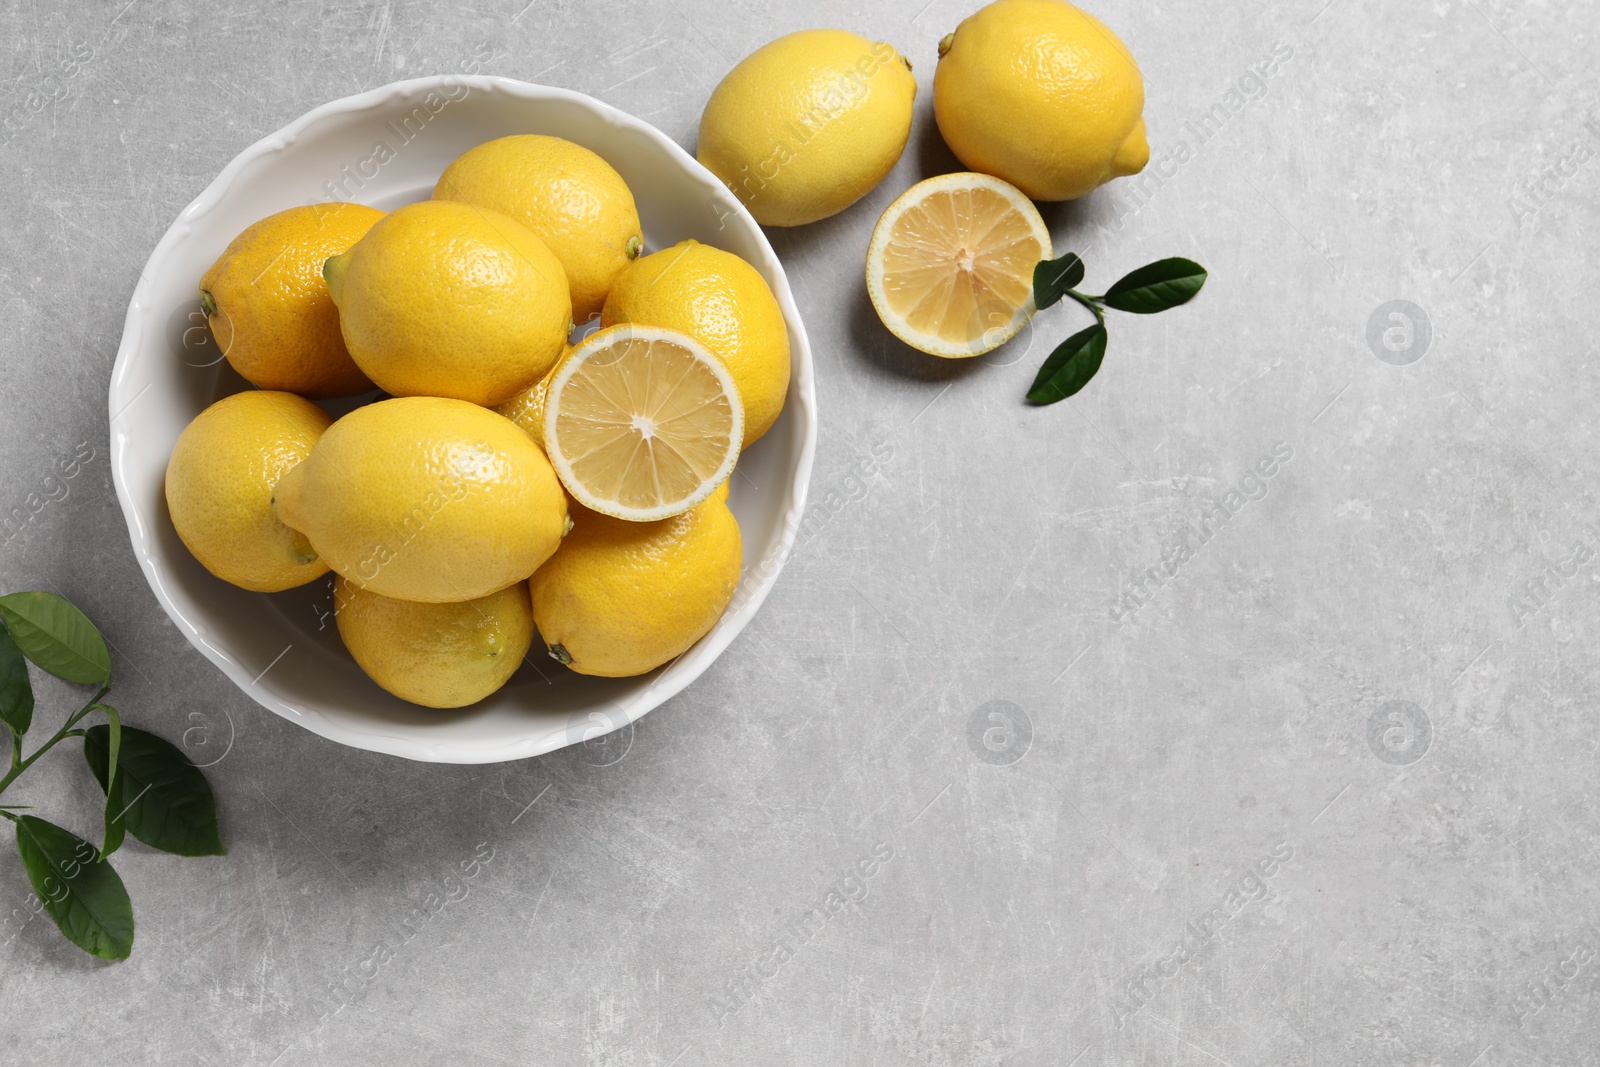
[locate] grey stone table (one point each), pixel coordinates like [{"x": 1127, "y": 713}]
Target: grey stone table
[{"x": 1240, "y": 711}]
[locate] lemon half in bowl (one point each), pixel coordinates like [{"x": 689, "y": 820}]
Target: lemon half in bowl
[{"x": 642, "y": 423}]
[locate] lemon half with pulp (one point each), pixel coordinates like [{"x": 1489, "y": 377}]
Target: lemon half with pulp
[
  {"x": 642, "y": 423},
  {"x": 950, "y": 267}
]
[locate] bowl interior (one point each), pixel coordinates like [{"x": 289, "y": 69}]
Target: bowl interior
[{"x": 386, "y": 148}]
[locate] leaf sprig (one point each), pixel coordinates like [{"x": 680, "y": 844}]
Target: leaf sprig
[
  {"x": 152, "y": 789},
  {"x": 1154, "y": 287}
]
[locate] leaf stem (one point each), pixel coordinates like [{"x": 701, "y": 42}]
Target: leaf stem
[
  {"x": 18, "y": 766},
  {"x": 1091, "y": 303}
]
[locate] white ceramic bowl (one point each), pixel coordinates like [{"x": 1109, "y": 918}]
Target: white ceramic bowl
[{"x": 386, "y": 148}]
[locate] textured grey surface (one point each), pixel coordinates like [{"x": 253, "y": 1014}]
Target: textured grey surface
[{"x": 1382, "y": 667}]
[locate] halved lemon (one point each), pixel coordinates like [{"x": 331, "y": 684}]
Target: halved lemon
[
  {"x": 950, "y": 267},
  {"x": 642, "y": 423}
]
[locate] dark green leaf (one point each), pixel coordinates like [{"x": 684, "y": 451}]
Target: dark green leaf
[
  {"x": 1157, "y": 286},
  {"x": 1053, "y": 277},
  {"x": 56, "y": 636},
  {"x": 84, "y": 896},
  {"x": 116, "y": 824},
  {"x": 16, "y": 692},
  {"x": 1070, "y": 366},
  {"x": 169, "y": 804}
]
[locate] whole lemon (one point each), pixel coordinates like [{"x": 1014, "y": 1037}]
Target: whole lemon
[
  {"x": 575, "y": 202},
  {"x": 451, "y": 300},
  {"x": 1042, "y": 95},
  {"x": 425, "y": 498},
  {"x": 621, "y": 598},
  {"x": 807, "y": 125},
  {"x": 526, "y": 406},
  {"x": 268, "y": 305},
  {"x": 219, "y": 488},
  {"x": 725, "y": 304},
  {"x": 437, "y": 655}
]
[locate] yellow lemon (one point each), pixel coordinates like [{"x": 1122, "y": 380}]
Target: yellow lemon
[
  {"x": 526, "y": 406},
  {"x": 1042, "y": 95},
  {"x": 219, "y": 488},
  {"x": 642, "y": 423},
  {"x": 622, "y": 598},
  {"x": 437, "y": 655},
  {"x": 950, "y": 267},
  {"x": 451, "y": 300},
  {"x": 424, "y": 498},
  {"x": 725, "y": 304},
  {"x": 268, "y": 305},
  {"x": 575, "y": 202},
  {"x": 807, "y": 125}
]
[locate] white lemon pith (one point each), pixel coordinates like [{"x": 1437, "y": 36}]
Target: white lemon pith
[
  {"x": 950, "y": 267},
  {"x": 642, "y": 423}
]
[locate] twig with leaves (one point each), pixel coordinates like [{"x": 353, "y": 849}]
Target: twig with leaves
[
  {"x": 1152, "y": 288},
  {"x": 152, "y": 789}
]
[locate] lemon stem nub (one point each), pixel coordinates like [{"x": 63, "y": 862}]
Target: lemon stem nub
[
  {"x": 300, "y": 548},
  {"x": 561, "y": 655},
  {"x": 208, "y": 303},
  {"x": 333, "y": 273},
  {"x": 635, "y": 246},
  {"x": 945, "y": 42},
  {"x": 568, "y": 527}
]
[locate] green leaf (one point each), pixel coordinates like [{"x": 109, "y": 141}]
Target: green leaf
[
  {"x": 169, "y": 803},
  {"x": 1070, "y": 366},
  {"x": 1157, "y": 286},
  {"x": 16, "y": 691},
  {"x": 56, "y": 636},
  {"x": 116, "y": 824},
  {"x": 1053, "y": 277},
  {"x": 84, "y": 896}
]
